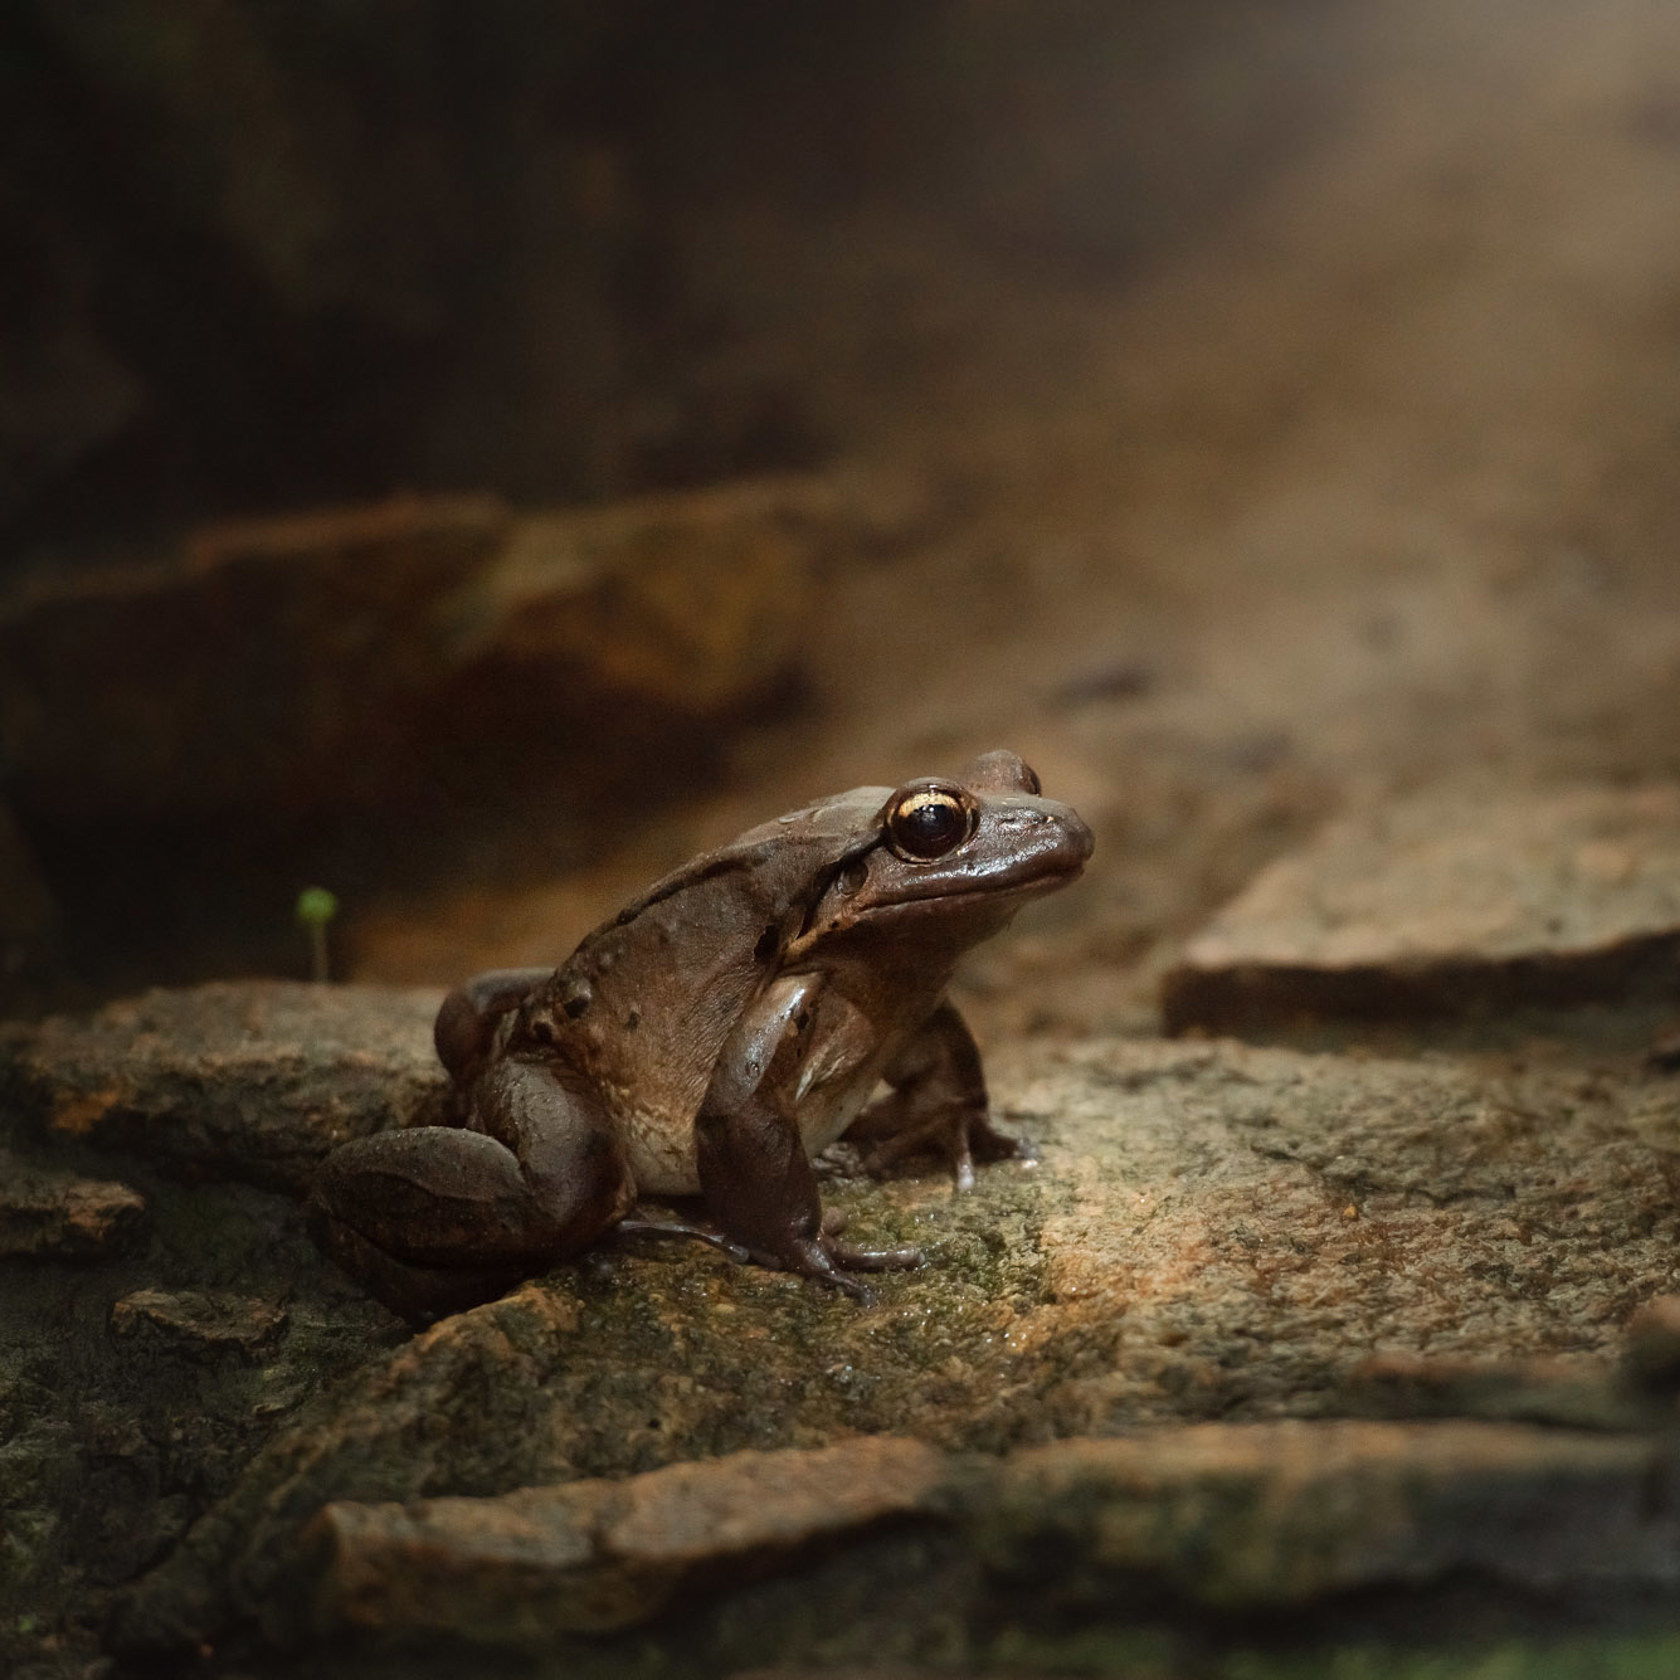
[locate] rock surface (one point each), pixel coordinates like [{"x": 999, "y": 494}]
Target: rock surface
[
  {"x": 1455, "y": 899},
  {"x": 337, "y": 659},
  {"x": 58, "y": 1213},
  {"x": 1228, "y": 1517},
  {"x": 251, "y": 1081},
  {"x": 211, "y": 1323},
  {"x": 591, "y": 1556},
  {"x": 1212, "y": 1231},
  {"x": 1237, "y": 1516}
]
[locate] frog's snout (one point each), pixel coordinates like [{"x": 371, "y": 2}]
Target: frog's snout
[
  {"x": 1071, "y": 846},
  {"x": 1078, "y": 842}
]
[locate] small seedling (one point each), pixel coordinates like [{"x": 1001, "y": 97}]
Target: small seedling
[{"x": 315, "y": 908}]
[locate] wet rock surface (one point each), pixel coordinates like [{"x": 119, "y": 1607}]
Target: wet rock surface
[
  {"x": 1211, "y": 1231},
  {"x": 1451, "y": 901}
]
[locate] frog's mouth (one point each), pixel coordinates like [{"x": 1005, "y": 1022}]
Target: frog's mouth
[{"x": 1027, "y": 885}]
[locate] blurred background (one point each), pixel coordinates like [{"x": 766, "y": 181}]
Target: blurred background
[{"x": 472, "y": 457}]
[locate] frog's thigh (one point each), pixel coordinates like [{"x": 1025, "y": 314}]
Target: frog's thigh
[
  {"x": 542, "y": 1179},
  {"x": 467, "y": 1019}
]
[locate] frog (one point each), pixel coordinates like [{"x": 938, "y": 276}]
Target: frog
[{"x": 728, "y": 1025}]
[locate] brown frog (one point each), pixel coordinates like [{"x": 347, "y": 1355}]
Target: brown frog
[{"x": 719, "y": 1031}]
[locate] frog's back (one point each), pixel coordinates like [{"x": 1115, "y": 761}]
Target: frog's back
[{"x": 662, "y": 985}]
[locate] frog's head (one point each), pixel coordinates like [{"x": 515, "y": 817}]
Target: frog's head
[{"x": 953, "y": 858}]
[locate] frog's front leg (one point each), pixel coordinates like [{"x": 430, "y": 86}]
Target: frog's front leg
[
  {"x": 436, "y": 1218},
  {"x": 754, "y": 1172},
  {"x": 937, "y": 1102}
]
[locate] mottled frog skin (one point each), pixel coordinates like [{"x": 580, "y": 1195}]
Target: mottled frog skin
[{"x": 727, "y": 1025}]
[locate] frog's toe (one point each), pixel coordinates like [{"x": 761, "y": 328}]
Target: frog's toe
[
  {"x": 875, "y": 1259},
  {"x": 849, "y": 1286},
  {"x": 989, "y": 1144},
  {"x": 830, "y": 1262},
  {"x": 959, "y": 1136}
]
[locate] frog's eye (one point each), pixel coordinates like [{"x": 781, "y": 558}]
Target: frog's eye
[{"x": 929, "y": 822}]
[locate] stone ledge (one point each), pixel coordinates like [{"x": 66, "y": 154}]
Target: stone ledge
[
  {"x": 595, "y": 1556},
  {"x": 1229, "y": 1517},
  {"x": 248, "y": 1080},
  {"x": 1457, "y": 900}
]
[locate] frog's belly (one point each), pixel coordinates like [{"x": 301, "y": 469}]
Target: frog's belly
[{"x": 661, "y": 1146}]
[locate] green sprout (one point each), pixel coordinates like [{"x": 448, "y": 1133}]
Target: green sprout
[{"x": 315, "y": 908}]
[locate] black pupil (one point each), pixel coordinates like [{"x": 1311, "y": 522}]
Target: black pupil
[{"x": 931, "y": 827}]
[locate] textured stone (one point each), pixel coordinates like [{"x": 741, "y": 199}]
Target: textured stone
[
  {"x": 1551, "y": 1391},
  {"x": 1240, "y": 1516},
  {"x": 207, "y": 1322},
  {"x": 595, "y": 1555},
  {"x": 248, "y": 1080},
  {"x": 1231, "y": 1517},
  {"x": 1211, "y": 1231},
  {"x": 338, "y": 659},
  {"x": 1451, "y": 901},
  {"x": 48, "y": 1212}
]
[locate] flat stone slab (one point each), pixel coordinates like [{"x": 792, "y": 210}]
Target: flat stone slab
[
  {"x": 249, "y": 1080},
  {"x": 1212, "y": 1232},
  {"x": 1455, "y": 900}
]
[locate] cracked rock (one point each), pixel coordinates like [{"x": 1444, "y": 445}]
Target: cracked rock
[
  {"x": 1211, "y": 1231},
  {"x": 1232, "y": 1517}
]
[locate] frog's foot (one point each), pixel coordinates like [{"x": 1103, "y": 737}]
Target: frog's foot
[
  {"x": 959, "y": 1133},
  {"x": 829, "y": 1260},
  {"x": 826, "y": 1259}
]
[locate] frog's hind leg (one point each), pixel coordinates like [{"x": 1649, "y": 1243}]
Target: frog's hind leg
[
  {"x": 937, "y": 1104},
  {"x": 433, "y": 1218}
]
